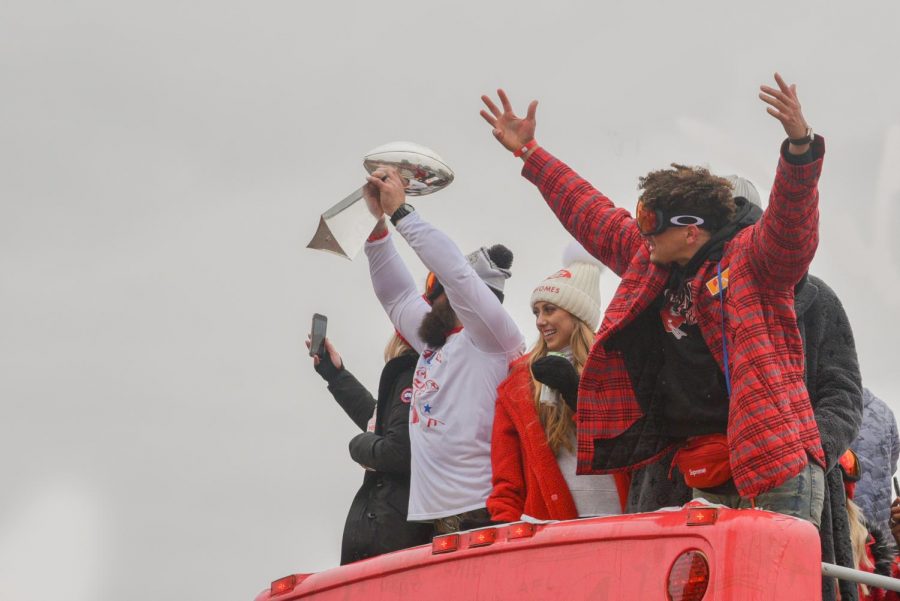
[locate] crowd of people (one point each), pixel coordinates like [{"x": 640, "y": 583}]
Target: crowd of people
[{"x": 721, "y": 368}]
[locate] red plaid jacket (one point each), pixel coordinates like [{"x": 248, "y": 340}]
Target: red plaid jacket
[{"x": 771, "y": 429}]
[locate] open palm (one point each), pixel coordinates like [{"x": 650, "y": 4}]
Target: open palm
[
  {"x": 510, "y": 130},
  {"x": 785, "y": 106}
]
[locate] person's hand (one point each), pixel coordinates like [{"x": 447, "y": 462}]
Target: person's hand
[
  {"x": 557, "y": 373},
  {"x": 329, "y": 364},
  {"x": 373, "y": 203},
  {"x": 785, "y": 106},
  {"x": 511, "y": 131},
  {"x": 895, "y": 520},
  {"x": 387, "y": 189},
  {"x": 373, "y": 200}
]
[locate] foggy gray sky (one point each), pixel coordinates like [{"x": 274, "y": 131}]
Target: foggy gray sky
[{"x": 163, "y": 166}]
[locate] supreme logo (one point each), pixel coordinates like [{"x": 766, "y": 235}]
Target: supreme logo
[{"x": 702, "y": 470}]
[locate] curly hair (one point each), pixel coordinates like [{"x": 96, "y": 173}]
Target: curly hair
[{"x": 689, "y": 190}]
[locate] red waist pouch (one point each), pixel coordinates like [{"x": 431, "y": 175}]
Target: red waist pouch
[{"x": 704, "y": 461}]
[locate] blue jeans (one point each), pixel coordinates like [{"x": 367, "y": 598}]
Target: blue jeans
[{"x": 801, "y": 497}]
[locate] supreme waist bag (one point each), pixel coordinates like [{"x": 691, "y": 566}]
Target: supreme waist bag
[{"x": 703, "y": 461}]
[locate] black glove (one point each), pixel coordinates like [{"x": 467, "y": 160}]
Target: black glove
[
  {"x": 882, "y": 553},
  {"x": 557, "y": 373},
  {"x": 326, "y": 368}
]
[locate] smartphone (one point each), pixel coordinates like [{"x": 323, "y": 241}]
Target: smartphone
[{"x": 317, "y": 335}]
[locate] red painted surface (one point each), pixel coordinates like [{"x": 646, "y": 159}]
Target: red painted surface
[{"x": 753, "y": 555}]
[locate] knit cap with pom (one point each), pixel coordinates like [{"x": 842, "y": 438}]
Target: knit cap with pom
[
  {"x": 575, "y": 288},
  {"x": 492, "y": 265}
]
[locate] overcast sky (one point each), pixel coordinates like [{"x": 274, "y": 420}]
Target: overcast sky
[{"x": 163, "y": 165}]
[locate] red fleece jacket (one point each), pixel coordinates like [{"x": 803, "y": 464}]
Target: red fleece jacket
[{"x": 527, "y": 478}]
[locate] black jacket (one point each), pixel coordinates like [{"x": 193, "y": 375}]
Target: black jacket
[
  {"x": 376, "y": 523},
  {"x": 835, "y": 390}
]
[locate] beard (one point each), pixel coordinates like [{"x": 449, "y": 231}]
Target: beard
[{"x": 436, "y": 325}]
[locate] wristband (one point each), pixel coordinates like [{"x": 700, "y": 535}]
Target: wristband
[
  {"x": 378, "y": 236},
  {"x": 401, "y": 212},
  {"x": 532, "y": 144},
  {"x": 807, "y": 139}
]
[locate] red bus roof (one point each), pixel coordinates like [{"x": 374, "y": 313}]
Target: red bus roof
[{"x": 751, "y": 554}]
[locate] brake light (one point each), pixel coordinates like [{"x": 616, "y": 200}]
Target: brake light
[
  {"x": 520, "y": 530},
  {"x": 702, "y": 516},
  {"x": 444, "y": 544},
  {"x": 482, "y": 538},
  {"x": 283, "y": 585},
  {"x": 688, "y": 577}
]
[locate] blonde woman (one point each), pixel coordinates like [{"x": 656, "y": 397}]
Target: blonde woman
[{"x": 533, "y": 450}]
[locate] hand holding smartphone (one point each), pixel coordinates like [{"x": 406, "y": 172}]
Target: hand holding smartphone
[{"x": 317, "y": 335}]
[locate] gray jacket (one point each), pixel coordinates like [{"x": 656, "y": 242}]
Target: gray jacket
[{"x": 878, "y": 447}]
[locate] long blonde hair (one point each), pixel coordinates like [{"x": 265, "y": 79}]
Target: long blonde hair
[
  {"x": 859, "y": 536},
  {"x": 557, "y": 418},
  {"x": 395, "y": 347}
]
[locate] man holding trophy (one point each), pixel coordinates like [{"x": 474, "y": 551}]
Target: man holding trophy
[{"x": 466, "y": 341}]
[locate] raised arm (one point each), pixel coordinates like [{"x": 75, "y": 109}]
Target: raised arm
[
  {"x": 490, "y": 327},
  {"x": 356, "y": 401},
  {"x": 606, "y": 231},
  {"x": 395, "y": 287},
  {"x": 479, "y": 310},
  {"x": 786, "y": 237}
]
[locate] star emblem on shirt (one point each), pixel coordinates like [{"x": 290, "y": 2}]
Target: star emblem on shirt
[{"x": 427, "y": 408}]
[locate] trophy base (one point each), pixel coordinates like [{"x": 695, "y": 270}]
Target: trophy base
[{"x": 324, "y": 240}]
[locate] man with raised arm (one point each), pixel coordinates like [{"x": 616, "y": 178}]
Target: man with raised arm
[
  {"x": 466, "y": 342},
  {"x": 699, "y": 349}
]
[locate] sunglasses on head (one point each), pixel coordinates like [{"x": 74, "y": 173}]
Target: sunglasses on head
[
  {"x": 652, "y": 221},
  {"x": 433, "y": 288}
]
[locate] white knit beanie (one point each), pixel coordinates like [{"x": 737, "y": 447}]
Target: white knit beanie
[{"x": 575, "y": 288}]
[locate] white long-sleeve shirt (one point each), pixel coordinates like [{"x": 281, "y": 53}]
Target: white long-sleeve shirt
[{"x": 455, "y": 386}]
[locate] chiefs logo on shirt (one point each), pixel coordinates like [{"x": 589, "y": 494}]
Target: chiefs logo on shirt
[
  {"x": 672, "y": 323},
  {"x": 419, "y": 379}
]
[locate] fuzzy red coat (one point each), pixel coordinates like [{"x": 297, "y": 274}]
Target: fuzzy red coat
[
  {"x": 771, "y": 428},
  {"x": 526, "y": 475}
]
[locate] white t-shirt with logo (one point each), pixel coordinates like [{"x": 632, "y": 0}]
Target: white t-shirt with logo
[{"x": 455, "y": 386}]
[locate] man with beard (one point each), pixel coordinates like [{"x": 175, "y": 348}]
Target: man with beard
[
  {"x": 466, "y": 341},
  {"x": 699, "y": 347}
]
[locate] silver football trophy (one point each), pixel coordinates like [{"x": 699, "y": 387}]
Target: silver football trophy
[{"x": 343, "y": 228}]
